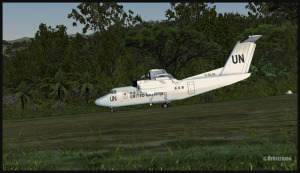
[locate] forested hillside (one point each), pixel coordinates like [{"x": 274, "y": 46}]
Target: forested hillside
[{"x": 54, "y": 74}]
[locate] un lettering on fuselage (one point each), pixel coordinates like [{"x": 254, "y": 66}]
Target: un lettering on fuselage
[{"x": 113, "y": 98}]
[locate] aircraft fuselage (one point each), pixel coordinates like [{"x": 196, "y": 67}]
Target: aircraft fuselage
[{"x": 129, "y": 95}]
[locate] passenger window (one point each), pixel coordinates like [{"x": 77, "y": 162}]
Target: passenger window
[
  {"x": 124, "y": 93},
  {"x": 130, "y": 92},
  {"x": 175, "y": 88},
  {"x": 182, "y": 87},
  {"x": 179, "y": 87}
]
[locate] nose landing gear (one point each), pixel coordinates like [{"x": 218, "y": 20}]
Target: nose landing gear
[{"x": 112, "y": 110}]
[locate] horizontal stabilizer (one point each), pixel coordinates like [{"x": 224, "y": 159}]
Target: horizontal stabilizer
[{"x": 251, "y": 38}]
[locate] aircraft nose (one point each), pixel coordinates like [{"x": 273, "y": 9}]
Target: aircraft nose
[
  {"x": 102, "y": 101},
  {"x": 98, "y": 102}
]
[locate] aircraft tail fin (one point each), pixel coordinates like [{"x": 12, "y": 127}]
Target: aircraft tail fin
[{"x": 241, "y": 56}]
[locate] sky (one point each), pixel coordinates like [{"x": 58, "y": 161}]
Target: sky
[{"x": 23, "y": 19}]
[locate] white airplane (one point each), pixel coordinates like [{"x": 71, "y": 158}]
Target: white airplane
[{"x": 161, "y": 87}]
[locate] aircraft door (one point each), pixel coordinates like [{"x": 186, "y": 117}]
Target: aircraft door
[
  {"x": 191, "y": 87},
  {"x": 120, "y": 96}
]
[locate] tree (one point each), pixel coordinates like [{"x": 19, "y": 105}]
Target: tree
[
  {"x": 46, "y": 53},
  {"x": 171, "y": 48},
  {"x": 197, "y": 16},
  {"x": 87, "y": 85},
  {"x": 108, "y": 21},
  {"x": 22, "y": 92},
  {"x": 58, "y": 85},
  {"x": 276, "y": 55},
  {"x": 217, "y": 27},
  {"x": 49, "y": 50},
  {"x": 272, "y": 13},
  {"x": 19, "y": 68},
  {"x": 99, "y": 16},
  {"x": 287, "y": 10}
]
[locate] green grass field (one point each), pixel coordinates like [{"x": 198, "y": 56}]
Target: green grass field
[{"x": 232, "y": 135}]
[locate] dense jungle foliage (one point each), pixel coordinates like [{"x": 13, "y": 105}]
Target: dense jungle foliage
[{"x": 55, "y": 74}]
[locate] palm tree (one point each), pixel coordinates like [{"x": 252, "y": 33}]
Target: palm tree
[
  {"x": 22, "y": 92},
  {"x": 87, "y": 85},
  {"x": 58, "y": 85}
]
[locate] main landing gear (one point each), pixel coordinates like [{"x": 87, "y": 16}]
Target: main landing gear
[
  {"x": 112, "y": 110},
  {"x": 166, "y": 105}
]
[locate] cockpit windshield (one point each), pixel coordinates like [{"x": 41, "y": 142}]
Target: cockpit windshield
[
  {"x": 113, "y": 92},
  {"x": 164, "y": 75},
  {"x": 159, "y": 73}
]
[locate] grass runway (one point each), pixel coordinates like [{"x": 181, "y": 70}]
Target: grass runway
[{"x": 151, "y": 139}]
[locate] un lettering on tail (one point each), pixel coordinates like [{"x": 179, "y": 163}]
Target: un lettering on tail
[
  {"x": 241, "y": 56},
  {"x": 238, "y": 59}
]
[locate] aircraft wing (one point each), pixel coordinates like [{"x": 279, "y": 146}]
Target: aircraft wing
[
  {"x": 153, "y": 86},
  {"x": 148, "y": 91},
  {"x": 152, "y": 91}
]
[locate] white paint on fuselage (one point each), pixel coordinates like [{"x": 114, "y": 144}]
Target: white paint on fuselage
[{"x": 191, "y": 87}]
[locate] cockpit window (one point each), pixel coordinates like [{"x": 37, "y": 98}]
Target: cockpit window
[
  {"x": 164, "y": 75},
  {"x": 159, "y": 73},
  {"x": 113, "y": 92},
  {"x": 156, "y": 73}
]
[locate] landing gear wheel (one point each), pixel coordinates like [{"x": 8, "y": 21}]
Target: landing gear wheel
[
  {"x": 112, "y": 110},
  {"x": 169, "y": 104},
  {"x": 165, "y": 105}
]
